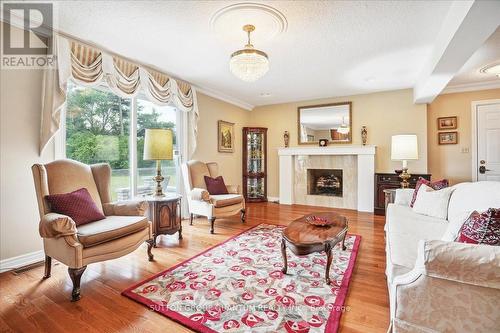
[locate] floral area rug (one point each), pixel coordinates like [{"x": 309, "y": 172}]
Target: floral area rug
[{"x": 238, "y": 286}]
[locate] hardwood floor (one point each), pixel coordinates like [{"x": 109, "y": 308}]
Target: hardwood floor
[{"x": 29, "y": 304}]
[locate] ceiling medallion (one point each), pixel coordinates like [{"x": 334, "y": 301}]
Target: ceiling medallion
[
  {"x": 491, "y": 69},
  {"x": 249, "y": 64}
]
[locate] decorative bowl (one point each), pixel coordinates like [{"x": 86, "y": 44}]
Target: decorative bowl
[{"x": 319, "y": 221}]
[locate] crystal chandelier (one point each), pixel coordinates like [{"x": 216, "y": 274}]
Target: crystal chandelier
[{"x": 249, "y": 64}]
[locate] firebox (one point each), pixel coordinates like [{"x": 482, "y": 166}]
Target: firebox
[{"x": 324, "y": 182}]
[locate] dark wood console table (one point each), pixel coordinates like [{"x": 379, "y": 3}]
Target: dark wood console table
[
  {"x": 386, "y": 181},
  {"x": 165, "y": 213}
]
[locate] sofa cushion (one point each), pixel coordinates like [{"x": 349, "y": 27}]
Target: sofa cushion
[
  {"x": 224, "y": 200},
  {"x": 78, "y": 205},
  {"x": 467, "y": 198},
  {"x": 482, "y": 228},
  {"x": 436, "y": 185},
  {"x": 112, "y": 227},
  {"x": 432, "y": 203},
  {"x": 404, "y": 228}
]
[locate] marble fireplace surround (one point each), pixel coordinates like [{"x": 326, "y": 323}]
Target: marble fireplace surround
[{"x": 356, "y": 161}]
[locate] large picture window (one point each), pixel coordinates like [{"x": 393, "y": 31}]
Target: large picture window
[{"x": 101, "y": 127}]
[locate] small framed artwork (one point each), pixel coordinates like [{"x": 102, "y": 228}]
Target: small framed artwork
[
  {"x": 447, "y": 123},
  {"x": 225, "y": 135},
  {"x": 323, "y": 142},
  {"x": 448, "y": 138}
]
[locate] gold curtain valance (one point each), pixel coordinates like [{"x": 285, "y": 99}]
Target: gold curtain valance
[{"x": 90, "y": 66}]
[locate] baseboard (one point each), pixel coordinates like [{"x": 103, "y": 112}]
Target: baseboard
[
  {"x": 273, "y": 199},
  {"x": 20, "y": 261}
]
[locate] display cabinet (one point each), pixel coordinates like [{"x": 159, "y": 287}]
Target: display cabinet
[{"x": 255, "y": 164}]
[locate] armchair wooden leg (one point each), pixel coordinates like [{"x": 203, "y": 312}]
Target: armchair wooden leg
[
  {"x": 191, "y": 219},
  {"x": 212, "y": 221},
  {"x": 243, "y": 216},
  {"x": 151, "y": 243},
  {"x": 76, "y": 275},
  {"x": 48, "y": 267}
]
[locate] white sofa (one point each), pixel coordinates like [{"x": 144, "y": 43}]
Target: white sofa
[{"x": 436, "y": 284}]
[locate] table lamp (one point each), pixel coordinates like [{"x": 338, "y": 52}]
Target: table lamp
[
  {"x": 404, "y": 148},
  {"x": 158, "y": 146}
]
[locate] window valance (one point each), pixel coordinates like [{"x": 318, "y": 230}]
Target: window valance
[{"x": 90, "y": 66}]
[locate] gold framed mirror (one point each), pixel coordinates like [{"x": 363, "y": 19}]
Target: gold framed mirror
[{"x": 332, "y": 122}]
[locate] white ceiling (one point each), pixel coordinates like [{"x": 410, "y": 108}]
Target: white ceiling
[
  {"x": 330, "y": 48},
  {"x": 489, "y": 53}
]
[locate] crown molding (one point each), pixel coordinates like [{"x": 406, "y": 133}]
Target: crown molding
[
  {"x": 485, "y": 85},
  {"x": 224, "y": 97}
]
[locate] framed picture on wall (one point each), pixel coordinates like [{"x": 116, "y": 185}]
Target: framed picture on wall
[
  {"x": 447, "y": 123},
  {"x": 225, "y": 135},
  {"x": 448, "y": 138}
]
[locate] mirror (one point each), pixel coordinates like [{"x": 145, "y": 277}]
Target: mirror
[{"x": 329, "y": 121}]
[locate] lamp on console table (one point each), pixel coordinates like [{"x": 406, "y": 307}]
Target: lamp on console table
[
  {"x": 158, "y": 146},
  {"x": 404, "y": 148}
]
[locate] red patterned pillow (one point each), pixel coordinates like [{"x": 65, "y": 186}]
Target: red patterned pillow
[
  {"x": 78, "y": 205},
  {"x": 437, "y": 185},
  {"x": 482, "y": 228},
  {"x": 216, "y": 185}
]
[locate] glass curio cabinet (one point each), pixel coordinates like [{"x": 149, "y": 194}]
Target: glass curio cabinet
[{"x": 255, "y": 164}]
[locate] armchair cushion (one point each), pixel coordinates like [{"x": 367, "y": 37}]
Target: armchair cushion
[
  {"x": 126, "y": 208},
  {"x": 215, "y": 185},
  {"x": 112, "y": 227},
  {"x": 199, "y": 194},
  {"x": 224, "y": 200},
  {"x": 77, "y": 204},
  {"x": 55, "y": 225}
]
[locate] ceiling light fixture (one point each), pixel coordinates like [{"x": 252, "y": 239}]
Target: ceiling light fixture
[
  {"x": 249, "y": 64},
  {"x": 344, "y": 128},
  {"x": 491, "y": 69}
]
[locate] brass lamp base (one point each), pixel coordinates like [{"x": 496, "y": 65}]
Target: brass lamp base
[
  {"x": 158, "y": 179},
  {"x": 405, "y": 176}
]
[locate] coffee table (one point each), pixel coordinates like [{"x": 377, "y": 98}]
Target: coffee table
[{"x": 303, "y": 238}]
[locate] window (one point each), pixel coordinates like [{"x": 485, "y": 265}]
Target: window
[
  {"x": 101, "y": 127},
  {"x": 150, "y": 115}
]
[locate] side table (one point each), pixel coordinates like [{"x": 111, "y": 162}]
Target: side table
[
  {"x": 390, "y": 196},
  {"x": 165, "y": 214}
]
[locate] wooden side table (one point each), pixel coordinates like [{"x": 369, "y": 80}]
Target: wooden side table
[
  {"x": 390, "y": 196},
  {"x": 165, "y": 213}
]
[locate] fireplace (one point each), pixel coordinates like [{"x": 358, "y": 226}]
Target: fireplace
[{"x": 324, "y": 182}]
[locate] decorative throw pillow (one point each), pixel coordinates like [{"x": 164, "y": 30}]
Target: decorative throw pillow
[
  {"x": 437, "y": 185},
  {"x": 216, "y": 185},
  {"x": 431, "y": 202},
  {"x": 77, "y": 204},
  {"x": 482, "y": 228}
]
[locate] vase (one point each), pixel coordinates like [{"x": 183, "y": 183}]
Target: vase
[
  {"x": 364, "y": 135},
  {"x": 286, "y": 138}
]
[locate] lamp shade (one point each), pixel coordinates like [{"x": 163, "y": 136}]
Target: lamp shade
[
  {"x": 158, "y": 144},
  {"x": 404, "y": 147}
]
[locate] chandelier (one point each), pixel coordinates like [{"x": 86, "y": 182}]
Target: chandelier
[
  {"x": 344, "y": 128},
  {"x": 249, "y": 64}
]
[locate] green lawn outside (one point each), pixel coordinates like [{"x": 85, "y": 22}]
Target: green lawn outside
[{"x": 121, "y": 178}]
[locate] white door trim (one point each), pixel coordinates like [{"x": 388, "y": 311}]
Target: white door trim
[{"x": 474, "y": 106}]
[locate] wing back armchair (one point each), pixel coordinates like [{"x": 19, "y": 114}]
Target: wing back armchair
[
  {"x": 123, "y": 230},
  {"x": 200, "y": 202}
]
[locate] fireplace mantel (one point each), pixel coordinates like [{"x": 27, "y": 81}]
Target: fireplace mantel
[
  {"x": 365, "y": 170},
  {"x": 331, "y": 150}
]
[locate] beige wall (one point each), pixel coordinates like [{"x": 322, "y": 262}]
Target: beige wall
[
  {"x": 20, "y": 97},
  {"x": 384, "y": 114},
  {"x": 448, "y": 161},
  {"x": 211, "y": 111}
]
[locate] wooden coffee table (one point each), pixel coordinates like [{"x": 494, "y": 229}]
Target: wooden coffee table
[{"x": 303, "y": 238}]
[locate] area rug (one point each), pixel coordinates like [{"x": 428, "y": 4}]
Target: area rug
[{"x": 238, "y": 286}]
